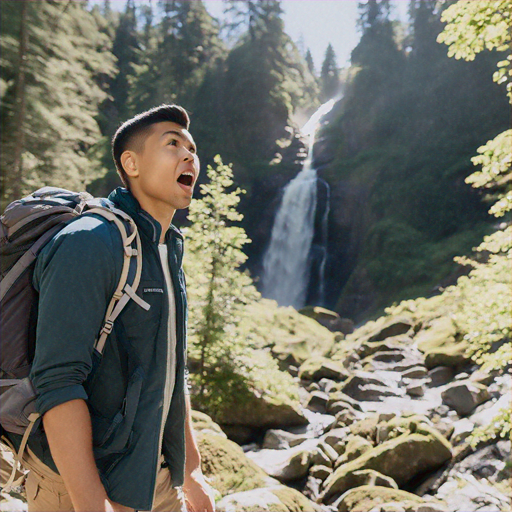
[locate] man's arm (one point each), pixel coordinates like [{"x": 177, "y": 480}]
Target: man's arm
[
  {"x": 69, "y": 433},
  {"x": 198, "y": 493}
]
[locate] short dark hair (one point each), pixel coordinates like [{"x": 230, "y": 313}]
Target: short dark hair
[{"x": 134, "y": 132}]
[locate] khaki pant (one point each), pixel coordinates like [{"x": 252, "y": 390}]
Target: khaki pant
[{"x": 46, "y": 491}]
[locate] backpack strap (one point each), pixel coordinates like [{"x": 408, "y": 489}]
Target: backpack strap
[{"x": 124, "y": 291}]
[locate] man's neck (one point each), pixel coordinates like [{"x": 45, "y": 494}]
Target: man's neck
[{"x": 161, "y": 212}]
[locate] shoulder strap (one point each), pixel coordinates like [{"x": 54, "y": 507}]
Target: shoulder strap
[{"x": 124, "y": 291}]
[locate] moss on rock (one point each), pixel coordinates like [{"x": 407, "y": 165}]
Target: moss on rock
[
  {"x": 366, "y": 497},
  {"x": 227, "y": 466},
  {"x": 401, "y": 459}
]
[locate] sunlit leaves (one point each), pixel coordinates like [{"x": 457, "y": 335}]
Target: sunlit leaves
[{"x": 477, "y": 25}]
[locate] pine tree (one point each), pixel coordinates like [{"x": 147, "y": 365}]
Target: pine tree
[
  {"x": 329, "y": 76},
  {"x": 310, "y": 63},
  {"x": 50, "y": 101},
  {"x": 218, "y": 289}
]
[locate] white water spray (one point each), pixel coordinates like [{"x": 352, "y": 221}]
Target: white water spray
[{"x": 286, "y": 265}]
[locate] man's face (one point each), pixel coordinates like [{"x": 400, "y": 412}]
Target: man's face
[{"x": 166, "y": 169}]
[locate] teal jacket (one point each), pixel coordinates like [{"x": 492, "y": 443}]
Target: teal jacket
[{"x": 76, "y": 276}]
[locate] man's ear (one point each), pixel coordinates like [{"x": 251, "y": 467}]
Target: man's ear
[{"x": 129, "y": 163}]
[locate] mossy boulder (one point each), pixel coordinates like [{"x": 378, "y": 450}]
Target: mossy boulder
[
  {"x": 292, "y": 337},
  {"x": 277, "y": 498},
  {"x": 227, "y": 466},
  {"x": 203, "y": 423},
  {"x": 442, "y": 344},
  {"x": 366, "y": 497},
  {"x": 355, "y": 447},
  {"x": 402, "y": 459},
  {"x": 318, "y": 367}
]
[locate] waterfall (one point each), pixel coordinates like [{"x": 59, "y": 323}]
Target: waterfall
[{"x": 286, "y": 263}]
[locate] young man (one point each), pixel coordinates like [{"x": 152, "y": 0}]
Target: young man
[{"x": 117, "y": 428}]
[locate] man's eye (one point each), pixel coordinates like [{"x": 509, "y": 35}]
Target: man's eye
[{"x": 173, "y": 142}]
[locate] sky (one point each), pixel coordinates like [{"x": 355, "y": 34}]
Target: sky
[
  {"x": 320, "y": 22},
  {"x": 314, "y": 23}
]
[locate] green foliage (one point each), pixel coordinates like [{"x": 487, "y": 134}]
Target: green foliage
[
  {"x": 500, "y": 428},
  {"x": 329, "y": 75},
  {"x": 476, "y": 26},
  {"x": 54, "y": 62},
  {"x": 218, "y": 291}
]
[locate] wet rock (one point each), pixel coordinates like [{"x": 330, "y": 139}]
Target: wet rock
[
  {"x": 392, "y": 327},
  {"x": 316, "y": 368},
  {"x": 280, "y": 439},
  {"x": 465, "y": 492},
  {"x": 441, "y": 375},
  {"x": 389, "y": 356},
  {"x": 277, "y": 498},
  {"x": 364, "y": 498},
  {"x": 339, "y": 396},
  {"x": 320, "y": 458},
  {"x": 364, "y": 386},
  {"x": 487, "y": 462},
  {"x": 318, "y": 401},
  {"x": 461, "y": 430},
  {"x": 401, "y": 459},
  {"x": 321, "y": 472},
  {"x": 337, "y": 407},
  {"x": 464, "y": 396},
  {"x": 345, "y": 417},
  {"x": 285, "y": 465},
  {"x": 414, "y": 388},
  {"x": 416, "y": 372},
  {"x": 336, "y": 438}
]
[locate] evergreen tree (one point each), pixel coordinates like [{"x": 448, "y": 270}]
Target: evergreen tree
[
  {"x": 218, "y": 290},
  {"x": 329, "y": 76},
  {"x": 310, "y": 63},
  {"x": 54, "y": 59}
]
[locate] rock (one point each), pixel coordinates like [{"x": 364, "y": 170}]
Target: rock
[
  {"x": 441, "y": 375},
  {"x": 392, "y": 327},
  {"x": 320, "y": 458},
  {"x": 416, "y": 372},
  {"x": 328, "y": 450},
  {"x": 277, "y": 498},
  {"x": 336, "y": 438},
  {"x": 318, "y": 401},
  {"x": 329, "y": 319},
  {"x": 239, "y": 433},
  {"x": 261, "y": 411},
  {"x": 364, "y": 498},
  {"x": 285, "y": 465},
  {"x": 415, "y": 389},
  {"x": 487, "y": 462},
  {"x": 227, "y": 466},
  {"x": 465, "y": 396},
  {"x": 442, "y": 344},
  {"x": 363, "y": 386},
  {"x": 366, "y": 427},
  {"x": 203, "y": 423},
  {"x": 337, "y": 407},
  {"x": 465, "y": 492},
  {"x": 402, "y": 459},
  {"x": 316, "y": 368},
  {"x": 280, "y": 439},
  {"x": 321, "y": 472},
  {"x": 339, "y": 396},
  {"x": 461, "y": 430},
  {"x": 345, "y": 417},
  {"x": 356, "y": 446},
  {"x": 327, "y": 385},
  {"x": 389, "y": 356}
]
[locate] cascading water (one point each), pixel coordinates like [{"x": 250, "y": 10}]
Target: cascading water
[{"x": 286, "y": 264}]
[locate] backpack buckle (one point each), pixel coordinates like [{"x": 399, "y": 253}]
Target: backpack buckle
[{"x": 107, "y": 328}]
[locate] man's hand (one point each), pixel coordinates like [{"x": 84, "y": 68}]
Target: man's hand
[{"x": 198, "y": 494}]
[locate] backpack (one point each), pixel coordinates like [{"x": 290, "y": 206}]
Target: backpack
[{"x": 25, "y": 228}]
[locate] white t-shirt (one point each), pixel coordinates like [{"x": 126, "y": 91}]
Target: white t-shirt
[{"x": 171, "y": 331}]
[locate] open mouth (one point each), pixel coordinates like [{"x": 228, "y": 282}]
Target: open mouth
[{"x": 186, "y": 179}]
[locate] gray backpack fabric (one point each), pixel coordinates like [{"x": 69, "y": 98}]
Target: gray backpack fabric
[{"x": 25, "y": 227}]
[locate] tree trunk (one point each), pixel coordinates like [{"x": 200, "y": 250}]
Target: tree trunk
[{"x": 20, "y": 105}]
